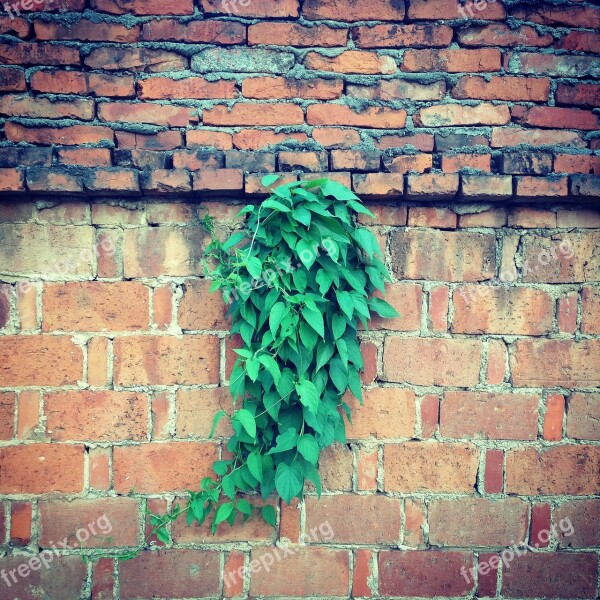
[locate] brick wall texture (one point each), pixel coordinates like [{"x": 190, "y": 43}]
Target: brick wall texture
[{"x": 472, "y": 133}]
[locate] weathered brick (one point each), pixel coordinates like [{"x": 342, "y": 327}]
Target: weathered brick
[
  {"x": 242, "y": 60},
  {"x": 360, "y": 10},
  {"x": 378, "y": 185},
  {"x": 550, "y": 116},
  {"x": 12, "y": 80},
  {"x": 265, "y": 88},
  {"x": 449, "y": 115},
  {"x": 413, "y": 35},
  {"x": 488, "y": 415},
  {"x": 578, "y": 523},
  {"x": 459, "y": 522},
  {"x": 581, "y": 94},
  {"x": 391, "y": 90},
  {"x": 73, "y": 135},
  {"x": 186, "y": 360},
  {"x": 515, "y": 136},
  {"x": 293, "y": 34},
  {"x": 419, "y": 163},
  {"x": 499, "y": 34},
  {"x": 583, "y": 411},
  {"x": 451, "y": 256},
  {"x": 144, "y": 60},
  {"x": 308, "y": 572},
  {"x": 532, "y": 89},
  {"x": 259, "y": 139},
  {"x": 352, "y": 61},
  {"x": 448, "y": 9},
  {"x": 356, "y": 519},
  {"x": 581, "y": 41},
  {"x": 38, "y": 54},
  {"x": 430, "y": 361},
  {"x": 311, "y": 162},
  {"x": 547, "y": 14},
  {"x": 254, "y": 114},
  {"x": 532, "y": 63},
  {"x": 256, "y": 8},
  {"x": 156, "y": 114},
  {"x": 458, "y": 162},
  {"x": 452, "y": 61},
  {"x": 373, "y": 117},
  {"x": 373, "y": 418},
  {"x": 145, "y": 7},
  {"x": 86, "y": 30},
  {"x": 41, "y": 469},
  {"x": 196, "y": 32},
  {"x": 160, "y": 88},
  {"x": 502, "y": 310}
]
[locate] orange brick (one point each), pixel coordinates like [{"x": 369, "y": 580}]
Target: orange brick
[
  {"x": 20, "y": 525},
  {"x": 254, "y": 114},
  {"x": 289, "y": 522},
  {"x": 163, "y": 306},
  {"x": 100, "y": 459},
  {"x": 415, "y": 520},
  {"x": 363, "y": 571},
  {"x": 27, "y": 306},
  {"x": 438, "y": 309},
  {"x": 29, "y": 415},
  {"x": 567, "y": 312},
  {"x": 430, "y": 415},
  {"x": 233, "y": 586},
  {"x": 368, "y": 467},
  {"x": 496, "y": 369},
  {"x": 352, "y": 61},
  {"x": 553, "y": 419},
  {"x": 161, "y": 409}
]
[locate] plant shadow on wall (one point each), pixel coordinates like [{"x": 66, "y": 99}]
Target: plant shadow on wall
[{"x": 298, "y": 279}]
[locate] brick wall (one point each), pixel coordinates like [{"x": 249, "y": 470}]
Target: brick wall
[{"x": 473, "y": 139}]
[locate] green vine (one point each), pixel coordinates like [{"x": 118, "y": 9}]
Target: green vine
[{"x": 298, "y": 280}]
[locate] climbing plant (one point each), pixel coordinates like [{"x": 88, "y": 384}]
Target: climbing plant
[{"x": 298, "y": 279}]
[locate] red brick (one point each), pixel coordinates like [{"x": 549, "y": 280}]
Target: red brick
[
  {"x": 453, "y": 164},
  {"x": 89, "y": 84},
  {"x": 583, "y": 516},
  {"x": 312, "y": 162},
  {"x": 553, "y": 419},
  {"x": 336, "y": 468},
  {"x": 40, "y": 360},
  {"x": 423, "y": 573},
  {"x": 14, "y": 26},
  {"x": 573, "y": 470},
  {"x": 459, "y": 522},
  {"x": 373, "y": 117},
  {"x": 369, "y": 353},
  {"x": 96, "y": 416},
  {"x": 500, "y": 34},
  {"x": 547, "y": 14},
  {"x": 85, "y": 157},
  {"x": 309, "y": 572},
  {"x": 360, "y": 10},
  {"x": 218, "y": 180},
  {"x": 541, "y": 187},
  {"x": 20, "y": 523},
  {"x": 160, "y": 88},
  {"x": 415, "y": 521},
  {"x": 12, "y": 80},
  {"x": 163, "y": 140},
  {"x": 494, "y": 471},
  {"x": 567, "y": 313},
  {"x": 60, "y": 519},
  {"x": 565, "y": 363},
  {"x": 496, "y": 369},
  {"x": 385, "y": 215},
  {"x": 289, "y": 521},
  {"x": 144, "y": 576},
  {"x": 532, "y": 89},
  {"x": 352, "y": 61},
  {"x": 73, "y": 135},
  {"x": 156, "y": 251},
  {"x": 99, "y": 468},
  {"x": 448, "y": 115},
  {"x": 581, "y": 41},
  {"x": 535, "y": 63},
  {"x": 92, "y": 306},
  {"x": 452, "y": 61},
  {"x": 367, "y": 470},
  {"x": 145, "y": 7},
  {"x": 485, "y": 415},
  {"x": 581, "y": 94},
  {"x": 233, "y": 586},
  {"x": 159, "y": 467},
  {"x": 215, "y": 139},
  {"x": 256, "y": 8},
  {"x": 66, "y": 578},
  {"x": 540, "y": 525},
  {"x": 355, "y": 160},
  {"x": 354, "y": 519},
  {"x": 410, "y": 35},
  {"x": 257, "y": 139},
  {"x": 441, "y": 218},
  {"x": 502, "y": 310},
  {"x": 186, "y": 360},
  {"x": 265, "y": 88},
  {"x": 28, "y": 415},
  {"x": 566, "y": 118},
  {"x": 197, "y": 32},
  {"x": 12, "y": 180},
  {"x": 564, "y": 575},
  {"x": 420, "y": 141},
  {"x": 195, "y": 409},
  {"x": 143, "y": 60},
  {"x": 38, "y": 54},
  {"x": 419, "y": 163},
  {"x": 103, "y": 585},
  {"x": 577, "y": 163},
  {"x": 406, "y": 298},
  {"x": 41, "y": 469},
  {"x": 430, "y": 414},
  {"x": 451, "y": 256},
  {"x": 171, "y": 116},
  {"x": 253, "y": 183},
  {"x": 391, "y": 90},
  {"x": 7, "y": 411},
  {"x": 296, "y": 35},
  {"x": 363, "y": 574},
  {"x": 373, "y": 419},
  {"x": 254, "y": 114},
  {"x": 86, "y": 30},
  {"x": 582, "y": 414},
  {"x": 378, "y": 185},
  {"x": 515, "y": 136},
  {"x": 430, "y": 466},
  {"x": 590, "y": 320}
]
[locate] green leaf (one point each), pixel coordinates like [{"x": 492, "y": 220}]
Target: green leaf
[
  {"x": 324, "y": 353},
  {"x": 338, "y": 374},
  {"x": 223, "y": 512},
  {"x": 220, "y": 467},
  {"x": 338, "y": 325},
  {"x": 309, "y": 395},
  {"x": 163, "y": 535},
  {"x": 324, "y": 280},
  {"x": 306, "y": 253},
  {"x": 382, "y": 308},
  {"x": 289, "y": 481},
  {"x": 359, "y": 208},
  {"x": 252, "y": 367},
  {"x": 216, "y": 419},
  {"x": 273, "y": 204},
  {"x": 367, "y": 241},
  {"x": 315, "y": 319},
  {"x": 286, "y": 441},
  {"x": 269, "y": 515},
  {"x": 246, "y": 418},
  {"x": 309, "y": 448},
  {"x": 255, "y": 467},
  {"x": 272, "y": 367},
  {"x": 278, "y": 312},
  {"x": 346, "y": 303},
  {"x": 355, "y": 384},
  {"x": 302, "y": 215},
  {"x": 337, "y": 190},
  {"x": 269, "y": 180},
  {"x": 235, "y": 239},
  {"x": 312, "y": 474},
  {"x": 244, "y": 506},
  {"x": 254, "y": 267},
  {"x": 247, "y": 209}
]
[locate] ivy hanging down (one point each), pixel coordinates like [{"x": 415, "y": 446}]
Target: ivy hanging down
[{"x": 298, "y": 280}]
